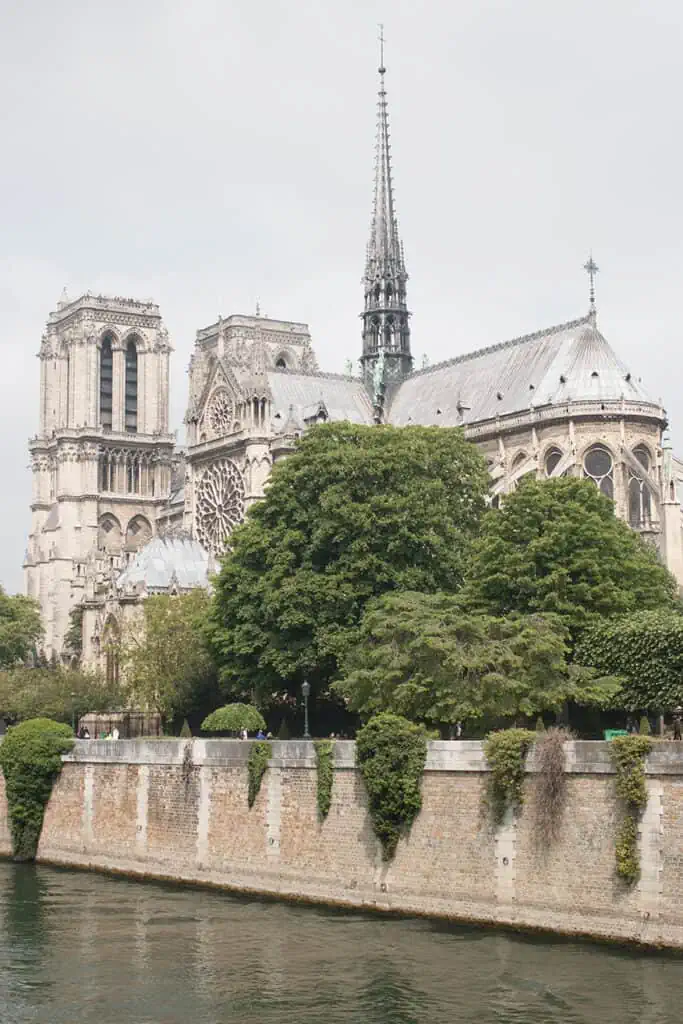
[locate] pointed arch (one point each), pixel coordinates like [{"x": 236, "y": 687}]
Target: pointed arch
[
  {"x": 138, "y": 533},
  {"x": 111, "y": 645},
  {"x": 106, "y": 376},
  {"x": 131, "y": 391}
]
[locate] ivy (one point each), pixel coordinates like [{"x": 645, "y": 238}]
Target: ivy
[
  {"x": 31, "y": 760},
  {"x": 506, "y": 753},
  {"x": 645, "y": 649},
  {"x": 391, "y": 754},
  {"x": 550, "y": 789},
  {"x": 324, "y": 757},
  {"x": 259, "y": 756},
  {"x": 628, "y": 755}
]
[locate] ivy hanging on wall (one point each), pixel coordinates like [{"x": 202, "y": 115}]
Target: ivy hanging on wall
[
  {"x": 259, "y": 756},
  {"x": 31, "y": 760},
  {"x": 506, "y": 752},
  {"x": 391, "y": 754},
  {"x": 628, "y": 754},
  {"x": 324, "y": 758},
  {"x": 550, "y": 785}
]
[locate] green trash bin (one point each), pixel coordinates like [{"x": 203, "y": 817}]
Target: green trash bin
[{"x": 611, "y": 733}]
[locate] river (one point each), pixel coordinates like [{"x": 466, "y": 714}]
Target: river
[{"x": 87, "y": 949}]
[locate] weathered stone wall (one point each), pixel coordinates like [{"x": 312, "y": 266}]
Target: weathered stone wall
[{"x": 179, "y": 810}]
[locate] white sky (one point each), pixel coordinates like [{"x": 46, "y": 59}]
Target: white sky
[{"x": 209, "y": 154}]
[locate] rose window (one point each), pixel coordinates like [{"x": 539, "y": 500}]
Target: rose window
[
  {"x": 220, "y": 504},
  {"x": 220, "y": 413}
]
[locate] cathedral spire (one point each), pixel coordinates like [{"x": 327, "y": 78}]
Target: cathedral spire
[
  {"x": 386, "y": 331},
  {"x": 591, "y": 269}
]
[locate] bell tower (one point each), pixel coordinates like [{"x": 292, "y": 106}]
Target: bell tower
[
  {"x": 101, "y": 459},
  {"x": 386, "y": 328}
]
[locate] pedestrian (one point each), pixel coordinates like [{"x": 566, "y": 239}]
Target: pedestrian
[
  {"x": 81, "y": 733},
  {"x": 244, "y": 735},
  {"x": 269, "y": 735},
  {"x": 115, "y": 733},
  {"x": 260, "y": 735},
  {"x": 678, "y": 720},
  {"x": 86, "y": 732}
]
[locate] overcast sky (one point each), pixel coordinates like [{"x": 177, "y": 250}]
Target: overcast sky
[{"x": 211, "y": 154}]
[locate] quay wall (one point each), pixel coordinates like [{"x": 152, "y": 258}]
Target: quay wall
[{"x": 178, "y": 810}]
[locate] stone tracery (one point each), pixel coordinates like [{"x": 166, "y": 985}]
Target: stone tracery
[
  {"x": 219, "y": 504},
  {"x": 220, "y": 412}
]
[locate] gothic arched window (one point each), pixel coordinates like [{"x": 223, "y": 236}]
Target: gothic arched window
[
  {"x": 639, "y": 499},
  {"x": 106, "y": 382},
  {"x": 131, "y": 400},
  {"x": 109, "y": 533},
  {"x": 552, "y": 459},
  {"x": 599, "y": 467},
  {"x": 138, "y": 533}
]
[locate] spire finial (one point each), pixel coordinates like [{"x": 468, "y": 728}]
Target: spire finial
[
  {"x": 591, "y": 269},
  {"x": 381, "y": 67}
]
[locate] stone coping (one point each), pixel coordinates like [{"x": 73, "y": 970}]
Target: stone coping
[{"x": 588, "y": 757}]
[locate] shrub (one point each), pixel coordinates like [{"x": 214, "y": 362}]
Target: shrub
[
  {"x": 234, "y": 718},
  {"x": 550, "y": 785},
  {"x": 324, "y": 756},
  {"x": 506, "y": 752},
  {"x": 31, "y": 760},
  {"x": 644, "y": 727},
  {"x": 186, "y": 732},
  {"x": 391, "y": 754},
  {"x": 259, "y": 756},
  {"x": 628, "y": 755}
]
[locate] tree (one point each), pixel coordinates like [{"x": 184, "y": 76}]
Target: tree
[
  {"x": 353, "y": 513},
  {"x": 234, "y": 718},
  {"x": 646, "y": 650},
  {"x": 422, "y": 656},
  {"x": 20, "y": 627},
  {"x": 58, "y": 693},
  {"x": 556, "y": 546},
  {"x": 166, "y": 662}
]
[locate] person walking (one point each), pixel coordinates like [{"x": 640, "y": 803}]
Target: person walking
[{"x": 678, "y": 721}]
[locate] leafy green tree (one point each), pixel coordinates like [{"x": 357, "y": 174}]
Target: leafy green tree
[
  {"x": 353, "y": 513},
  {"x": 166, "y": 662},
  {"x": 57, "y": 693},
  {"x": 20, "y": 628},
  {"x": 646, "y": 650},
  {"x": 424, "y": 657},
  {"x": 556, "y": 546},
  {"x": 234, "y": 718}
]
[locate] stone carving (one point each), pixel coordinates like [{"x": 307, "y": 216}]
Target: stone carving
[
  {"x": 220, "y": 413},
  {"x": 219, "y": 504}
]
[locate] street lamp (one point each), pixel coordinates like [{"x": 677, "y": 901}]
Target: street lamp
[
  {"x": 73, "y": 712},
  {"x": 305, "y": 693}
]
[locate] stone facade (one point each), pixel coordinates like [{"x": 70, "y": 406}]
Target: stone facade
[
  {"x": 103, "y": 455},
  {"x": 179, "y": 810}
]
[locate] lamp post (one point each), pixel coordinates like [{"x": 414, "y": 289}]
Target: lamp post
[
  {"x": 305, "y": 693},
  {"x": 73, "y": 712}
]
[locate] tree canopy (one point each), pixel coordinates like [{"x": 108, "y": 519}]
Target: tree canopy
[
  {"x": 556, "y": 546},
  {"x": 57, "y": 693},
  {"x": 422, "y": 656},
  {"x": 165, "y": 657},
  {"x": 354, "y": 512},
  {"x": 20, "y": 628},
  {"x": 234, "y": 718},
  {"x": 646, "y": 650}
]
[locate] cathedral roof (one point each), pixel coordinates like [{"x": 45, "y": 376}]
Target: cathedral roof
[
  {"x": 343, "y": 398},
  {"x": 167, "y": 561},
  {"x": 569, "y": 363}
]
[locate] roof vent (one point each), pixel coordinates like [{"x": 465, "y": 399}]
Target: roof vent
[
  {"x": 438, "y": 412},
  {"x": 563, "y": 379},
  {"x": 595, "y": 373},
  {"x": 499, "y": 397},
  {"x": 532, "y": 387},
  {"x": 627, "y": 378}
]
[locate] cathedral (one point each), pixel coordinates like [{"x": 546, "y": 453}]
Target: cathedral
[{"x": 118, "y": 512}]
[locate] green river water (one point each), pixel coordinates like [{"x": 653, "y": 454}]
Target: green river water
[{"x": 86, "y": 949}]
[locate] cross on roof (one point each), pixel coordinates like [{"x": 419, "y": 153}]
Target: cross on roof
[{"x": 591, "y": 269}]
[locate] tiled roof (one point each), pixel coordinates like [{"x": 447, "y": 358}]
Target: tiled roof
[
  {"x": 571, "y": 362},
  {"x": 165, "y": 560}
]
